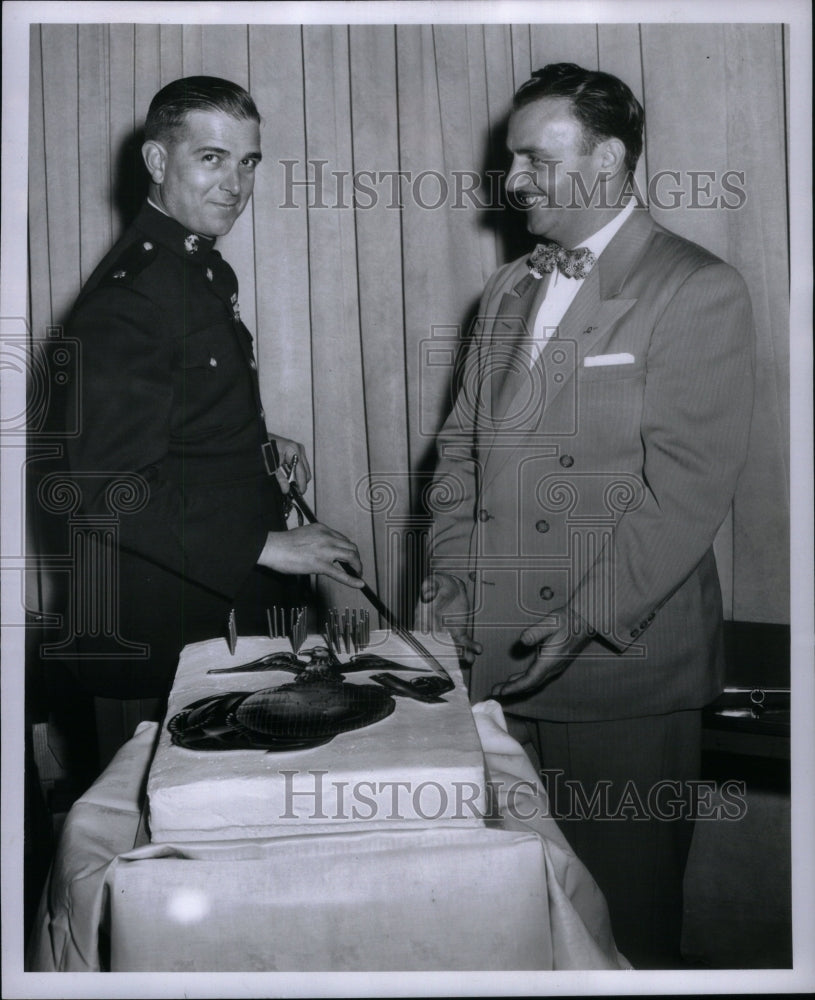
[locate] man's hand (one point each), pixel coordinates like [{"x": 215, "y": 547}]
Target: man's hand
[
  {"x": 287, "y": 450},
  {"x": 314, "y": 548},
  {"x": 447, "y": 596},
  {"x": 558, "y": 645}
]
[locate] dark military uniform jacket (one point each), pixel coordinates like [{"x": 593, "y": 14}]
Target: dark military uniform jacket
[{"x": 172, "y": 432}]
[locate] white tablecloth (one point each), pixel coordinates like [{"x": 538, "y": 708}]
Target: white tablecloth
[{"x": 511, "y": 895}]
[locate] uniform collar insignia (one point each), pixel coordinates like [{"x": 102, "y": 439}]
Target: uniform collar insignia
[{"x": 170, "y": 233}]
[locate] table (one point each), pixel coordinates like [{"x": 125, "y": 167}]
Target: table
[{"x": 508, "y": 895}]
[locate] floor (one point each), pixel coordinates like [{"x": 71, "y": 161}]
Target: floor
[{"x": 738, "y": 880}]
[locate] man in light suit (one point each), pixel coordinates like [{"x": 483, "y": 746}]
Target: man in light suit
[{"x": 592, "y": 454}]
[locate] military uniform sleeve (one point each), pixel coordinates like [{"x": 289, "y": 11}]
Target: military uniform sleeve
[
  {"x": 126, "y": 405},
  {"x": 695, "y": 426}
]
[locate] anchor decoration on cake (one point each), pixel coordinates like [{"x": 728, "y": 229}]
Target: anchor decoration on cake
[{"x": 300, "y": 714}]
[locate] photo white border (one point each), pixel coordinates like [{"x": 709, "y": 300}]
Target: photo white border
[{"x": 17, "y": 17}]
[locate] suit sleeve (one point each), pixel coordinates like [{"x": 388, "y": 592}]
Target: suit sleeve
[
  {"x": 695, "y": 427},
  {"x": 126, "y": 403},
  {"x": 456, "y": 480}
]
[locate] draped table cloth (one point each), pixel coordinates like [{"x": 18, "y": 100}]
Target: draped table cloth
[{"x": 509, "y": 895}]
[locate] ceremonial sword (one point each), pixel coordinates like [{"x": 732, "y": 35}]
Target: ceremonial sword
[{"x": 396, "y": 626}]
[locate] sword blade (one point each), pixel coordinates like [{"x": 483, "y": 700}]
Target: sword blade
[{"x": 373, "y": 597}]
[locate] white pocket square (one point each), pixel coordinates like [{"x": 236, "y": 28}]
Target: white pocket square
[{"x": 593, "y": 360}]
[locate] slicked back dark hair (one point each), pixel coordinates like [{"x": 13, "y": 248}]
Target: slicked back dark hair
[
  {"x": 171, "y": 105},
  {"x": 604, "y": 105}
]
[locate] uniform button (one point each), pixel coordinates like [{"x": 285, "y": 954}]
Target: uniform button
[
  {"x": 209, "y": 274},
  {"x": 547, "y": 593},
  {"x": 472, "y": 575},
  {"x": 213, "y": 362},
  {"x": 147, "y": 246},
  {"x": 262, "y": 414},
  {"x": 253, "y": 365},
  {"x": 119, "y": 274},
  {"x": 484, "y": 515},
  {"x": 634, "y": 633},
  {"x": 566, "y": 461},
  {"x": 542, "y": 527}
]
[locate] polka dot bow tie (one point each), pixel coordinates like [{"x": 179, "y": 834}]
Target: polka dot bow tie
[{"x": 571, "y": 263}]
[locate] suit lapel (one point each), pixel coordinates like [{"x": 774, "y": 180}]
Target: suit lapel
[
  {"x": 588, "y": 320},
  {"x": 511, "y": 340}
]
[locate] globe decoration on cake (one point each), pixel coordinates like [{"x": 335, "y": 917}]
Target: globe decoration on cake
[{"x": 300, "y": 714}]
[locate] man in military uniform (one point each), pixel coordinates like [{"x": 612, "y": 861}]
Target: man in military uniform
[{"x": 172, "y": 421}]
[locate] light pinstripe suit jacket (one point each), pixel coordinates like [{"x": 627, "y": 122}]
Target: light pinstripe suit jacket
[{"x": 602, "y": 485}]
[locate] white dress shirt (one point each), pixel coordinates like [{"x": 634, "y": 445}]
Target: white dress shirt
[{"x": 561, "y": 291}]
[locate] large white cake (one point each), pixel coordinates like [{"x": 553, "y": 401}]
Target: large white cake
[{"x": 421, "y": 765}]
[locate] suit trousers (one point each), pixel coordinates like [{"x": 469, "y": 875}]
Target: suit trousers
[{"x": 622, "y": 791}]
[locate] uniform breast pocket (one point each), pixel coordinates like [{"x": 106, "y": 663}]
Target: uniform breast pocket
[
  {"x": 207, "y": 373},
  {"x": 206, "y": 349}
]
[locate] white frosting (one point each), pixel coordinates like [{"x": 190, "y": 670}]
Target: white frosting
[{"x": 421, "y": 765}]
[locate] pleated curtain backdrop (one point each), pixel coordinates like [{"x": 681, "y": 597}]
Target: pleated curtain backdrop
[{"x": 356, "y": 303}]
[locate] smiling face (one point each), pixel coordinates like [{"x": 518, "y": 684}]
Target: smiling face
[
  {"x": 203, "y": 177},
  {"x": 553, "y": 169}
]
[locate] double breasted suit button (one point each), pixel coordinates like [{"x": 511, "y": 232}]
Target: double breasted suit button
[
  {"x": 484, "y": 515},
  {"x": 547, "y": 593},
  {"x": 566, "y": 461},
  {"x": 541, "y": 527},
  {"x": 634, "y": 633}
]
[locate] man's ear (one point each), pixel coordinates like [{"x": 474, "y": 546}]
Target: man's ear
[
  {"x": 612, "y": 156},
  {"x": 154, "y": 154}
]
